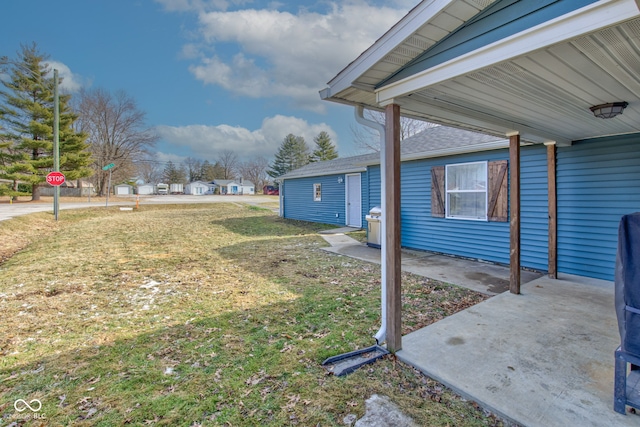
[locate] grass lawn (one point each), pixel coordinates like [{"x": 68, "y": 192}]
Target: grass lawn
[{"x": 187, "y": 315}]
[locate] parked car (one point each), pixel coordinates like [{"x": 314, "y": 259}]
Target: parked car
[{"x": 270, "y": 190}]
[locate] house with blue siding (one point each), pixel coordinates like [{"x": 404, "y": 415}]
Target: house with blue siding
[
  {"x": 422, "y": 229},
  {"x": 558, "y": 79}
]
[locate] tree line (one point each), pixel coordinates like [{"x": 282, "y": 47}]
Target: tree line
[
  {"x": 226, "y": 166},
  {"x": 98, "y": 128},
  {"x": 95, "y": 129},
  {"x": 294, "y": 153}
]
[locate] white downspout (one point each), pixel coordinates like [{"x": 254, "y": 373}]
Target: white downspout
[
  {"x": 381, "y": 335},
  {"x": 281, "y": 197}
]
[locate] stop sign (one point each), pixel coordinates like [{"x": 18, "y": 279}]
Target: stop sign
[{"x": 55, "y": 178}]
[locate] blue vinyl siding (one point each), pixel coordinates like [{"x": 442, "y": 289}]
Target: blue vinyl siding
[
  {"x": 373, "y": 173},
  {"x": 534, "y": 208},
  {"x": 364, "y": 183},
  {"x": 299, "y": 203},
  {"x": 598, "y": 182},
  {"x": 483, "y": 240}
]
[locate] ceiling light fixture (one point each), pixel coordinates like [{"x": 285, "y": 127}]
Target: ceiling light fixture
[{"x": 610, "y": 110}]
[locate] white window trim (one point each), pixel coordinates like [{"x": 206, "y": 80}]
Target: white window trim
[
  {"x": 317, "y": 192},
  {"x": 447, "y": 191}
]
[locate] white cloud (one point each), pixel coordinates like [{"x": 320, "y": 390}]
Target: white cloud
[
  {"x": 169, "y": 157},
  {"x": 69, "y": 82},
  {"x": 267, "y": 53},
  {"x": 207, "y": 142},
  {"x": 198, "y": 5}
]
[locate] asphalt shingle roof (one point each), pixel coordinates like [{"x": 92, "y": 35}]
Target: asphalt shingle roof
[{"x": 424, "y": 144}]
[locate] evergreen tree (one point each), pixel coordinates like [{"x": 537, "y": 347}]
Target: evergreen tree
[
  {"x": 26, "y": 122},
  {"x": 292, "y": 154},
  {"x": 210, "y": 171},
  {"x": 174, "y": 175},
  {"x": 325, "y": 149}
]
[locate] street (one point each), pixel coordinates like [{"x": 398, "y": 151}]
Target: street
[{"x": 10, "y": 210}]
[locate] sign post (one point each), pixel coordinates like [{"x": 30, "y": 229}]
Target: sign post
[
  {"x": 56, "y": 143},
  {"x": 56, "y": 179},
  {"x": 108, "y": 168}
]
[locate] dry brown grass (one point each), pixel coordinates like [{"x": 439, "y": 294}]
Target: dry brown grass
[{"x": 201, "y": 315}]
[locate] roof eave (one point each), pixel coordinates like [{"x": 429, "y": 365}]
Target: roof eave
[
  {"x": 443, "y": 152},
  {"x": 422, "y": 13},
  {"x": 582, "y": 21}
]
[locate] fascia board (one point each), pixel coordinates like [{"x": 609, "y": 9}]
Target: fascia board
[
  {"x": 405, "y": 28},
  {"x": 583, "y": 21},
  {"x": 327, "y": 173}
]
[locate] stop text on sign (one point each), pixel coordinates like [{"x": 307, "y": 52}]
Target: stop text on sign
[{"x": 55, "y": 178}]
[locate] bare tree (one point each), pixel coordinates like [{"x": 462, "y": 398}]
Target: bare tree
[
  {"x": 369, "y": 139},
  {"x": 228, "y": 161},
  {"x": 149, "y": 171},
  {"x": 117, "y": 133},
  {"x": 193, "y": 168},
  {"x": 255, "y": 170}
]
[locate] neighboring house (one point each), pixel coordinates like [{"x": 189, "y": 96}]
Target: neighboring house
[
  {"x": 237, "y": 187},
  {"x": 122, "y": 190},
  {"x": 145, "y": 189},
  {"x": 533, "y": 72},
  {"x": 246, "y": 187},
  {"x": 197, "y": 188},
  {"x": 222, "y": 185}
]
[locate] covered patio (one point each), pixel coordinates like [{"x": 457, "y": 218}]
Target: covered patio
[
  {"x": 542, "y": 358},
  {"x": 558, "y": 73}
]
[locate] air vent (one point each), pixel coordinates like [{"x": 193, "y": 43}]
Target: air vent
[
  {"x": 481, "y": 4},
  {"x": 634, "y": 27},
  {"x": 411, "y": 53},
  {"x": 418, "y": 42},
  {"x": 395, "y": 60}
]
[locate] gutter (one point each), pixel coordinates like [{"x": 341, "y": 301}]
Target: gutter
[{"x": 381, "y": 335}]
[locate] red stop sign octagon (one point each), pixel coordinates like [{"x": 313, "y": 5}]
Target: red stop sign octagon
[{"x": 55, "y": 178}]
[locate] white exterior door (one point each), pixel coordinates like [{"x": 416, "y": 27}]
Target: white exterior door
[{"x": 354, "y": 201}]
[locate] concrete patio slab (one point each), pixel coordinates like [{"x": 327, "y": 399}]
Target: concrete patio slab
[
  {"x": 540, "y": 359},
  {"x": 543, "y": 358}
]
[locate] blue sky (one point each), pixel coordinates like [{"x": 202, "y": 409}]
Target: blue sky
[{"x": 210, "y": 74}]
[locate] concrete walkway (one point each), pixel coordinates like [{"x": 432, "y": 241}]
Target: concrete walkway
[
  {"x": 540, "y": 359},
  {"x": 482, "y": 277}
]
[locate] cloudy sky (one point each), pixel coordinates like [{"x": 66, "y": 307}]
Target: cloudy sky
[{"x": 211, "y": 75}]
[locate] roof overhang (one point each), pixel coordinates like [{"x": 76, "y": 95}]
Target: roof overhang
[{"x": 539, "y": 82}]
